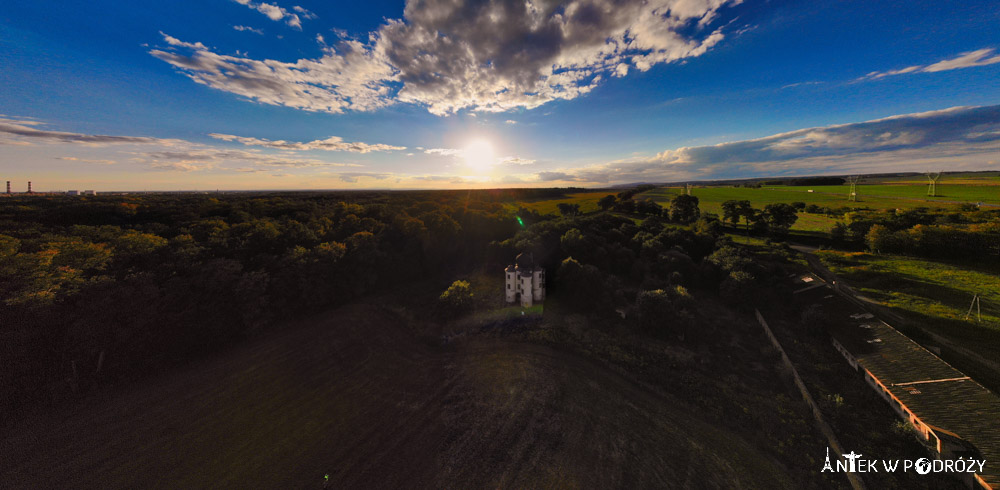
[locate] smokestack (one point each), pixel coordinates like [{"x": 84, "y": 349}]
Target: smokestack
[
  {"x": 8, "y": 187},
  {"x": 29, "y": 187}
]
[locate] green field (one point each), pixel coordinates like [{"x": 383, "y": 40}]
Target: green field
[
  {"x": 972, "y": 178},
  {"x": 586, "y": 200},
  {"x": 946, "y": 191},
  {"x": 935, "y": 295},
  {"x": 874, "y": 196}
]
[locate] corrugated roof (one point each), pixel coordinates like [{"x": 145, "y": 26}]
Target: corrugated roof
[{"x": 931, "y": 389}]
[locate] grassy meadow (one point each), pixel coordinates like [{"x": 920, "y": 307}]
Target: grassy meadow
[
  {"x": 883, "y": 196},
  {"x": 934, "y": 295},
  {"x": 586, "y": 200}
]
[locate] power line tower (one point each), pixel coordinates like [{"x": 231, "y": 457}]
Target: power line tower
[
  {"x": 688, "y": 188},
  {"x": 932, "y": 179},
  {"x": 853, "y": 195}
]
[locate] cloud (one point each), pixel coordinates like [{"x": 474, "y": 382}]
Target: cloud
[
  {"x": 350, "y": 76},
  {"x": 959, "y": 138},
  {"x": 176, "y": 154},
  {"x": 516, "y": 161},
  {"x": 510, "y": 121},
  {"x": 248, "y": 29},
  {"x": 277, "y": 13},
  {"x": 445, "y": 152},
  {"x": 450, "y": 55},
  {"x": 304, "y": 13},
  {"x": 980, "y": 57},
  {"x": 86, "y": 160},
  {"x": 554, "y": 176},
  {"x": 173, "y": 41},
  {"x": 353, "y": 177},
  {"x": 22, "y": 130},
  {"x": 205, "y": 158},
  {"x": 460, "y": 153},
  {"x": 333, "y": 143}
]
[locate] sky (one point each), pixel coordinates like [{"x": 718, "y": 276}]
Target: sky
[{"x": 298, "y": 94}]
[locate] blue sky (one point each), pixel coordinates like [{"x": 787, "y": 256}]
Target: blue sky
[{"x": 246, "y": 94}]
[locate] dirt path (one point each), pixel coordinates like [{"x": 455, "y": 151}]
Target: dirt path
[{"x": 356, "y": 396}]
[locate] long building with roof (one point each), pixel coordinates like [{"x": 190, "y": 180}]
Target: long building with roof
[{"x": 954, "y": 414}]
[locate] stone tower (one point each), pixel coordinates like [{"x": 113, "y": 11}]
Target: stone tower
[{"x": 524, "y": 280}]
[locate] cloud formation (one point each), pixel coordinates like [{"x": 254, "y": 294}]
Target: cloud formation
[
  {"x": 22, "y": 130},
  {"x": 277, "y": 13},
  {"x": 955, "y": 138},
  {"x": 450, "y": 55},
  {"x": 980, "y": 57},
  {"x": 350, "y": 76},
  {"x": 333, "y": 143},
  {"x": 248, "y": 29},
  {"x": 87, "y": 160},
  {"x": 176, "y": 154}
]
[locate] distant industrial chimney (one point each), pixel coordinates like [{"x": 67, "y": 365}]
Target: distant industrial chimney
[
  {"x": 8, "y": 187},
  {"x": 29, "y": 187}
]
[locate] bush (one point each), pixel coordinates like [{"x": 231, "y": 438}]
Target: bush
[{"x": 457, "y": 299}]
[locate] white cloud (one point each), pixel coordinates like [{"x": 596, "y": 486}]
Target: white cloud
[
  {"x": 445, "y": 152},
  {"x": 247, "y": 29},
  {"x": 87, "y": 160},
  {"x": 26, "y": 131},
  {"x": 510, "y": 121},
  {"x": 980, "y": 57},
  {"x": 516, "y": 161},
  {"x": 173, "y": 41},
  {"x": 277, "y": 13},
  {"x": 174, "y": 154},
  {"x": 959, "y": 138},
  {"x": 450, "y": 55},
  {"x": 333, "y": 143},
  {"x": 304, "y": 13},
  {"x": 350, "y": 77}
]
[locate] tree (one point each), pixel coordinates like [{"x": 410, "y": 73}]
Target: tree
[
  {"x": 457, "y": 299},
  {"x": 779, "y": 218},
  {"x": 648, "y": 207},
  {"x": 607, "y": 202},
  {"x": 734, "y": 210},
  {"x": 684, "y": 209},
  {"x": 878, "y": 238},
  {"x": 567, "y": 209},
  {"x": 662, "y": 311}
]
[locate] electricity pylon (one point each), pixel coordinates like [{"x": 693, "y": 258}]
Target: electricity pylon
[
  {"x": 932, "y": 179},
  {"x": 853, "y": 196}
]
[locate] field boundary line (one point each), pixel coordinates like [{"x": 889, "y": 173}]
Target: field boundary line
[{"x": 825, "y": 428}]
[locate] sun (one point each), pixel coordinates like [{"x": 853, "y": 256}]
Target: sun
[{"x": 479, "y": 156}]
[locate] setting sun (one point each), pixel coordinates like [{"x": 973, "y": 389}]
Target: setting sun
[{"x": 479, "y": 156}]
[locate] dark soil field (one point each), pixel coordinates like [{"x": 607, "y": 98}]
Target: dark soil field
[{"x": 357, "y": 395}]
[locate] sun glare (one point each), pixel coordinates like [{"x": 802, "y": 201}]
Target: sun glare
[{"x": 479, "y": 156}]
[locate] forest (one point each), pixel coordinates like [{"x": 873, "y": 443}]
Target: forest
[
  {"x": 98, "y": 289},
  {"x": 101, "y": 291}
]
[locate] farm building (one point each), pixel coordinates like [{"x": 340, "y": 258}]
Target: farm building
[
  {"x": 952, "y": 413},
  {"x": 524, "y": 281}
]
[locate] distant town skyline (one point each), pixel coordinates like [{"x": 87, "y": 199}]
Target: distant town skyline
[{"x": 241, "y": 94}]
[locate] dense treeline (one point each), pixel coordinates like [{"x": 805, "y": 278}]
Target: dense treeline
[
  {"x": 109, "y": 287},
  {"x": 967, "y": 233},
  {"x": 646, "y": 276}
]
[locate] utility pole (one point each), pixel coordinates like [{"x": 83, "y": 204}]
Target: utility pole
[
  {"x": 932, "y": 179},
  {"x": 975, "y": 303},
  {"x": 853, "y": 196}
]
